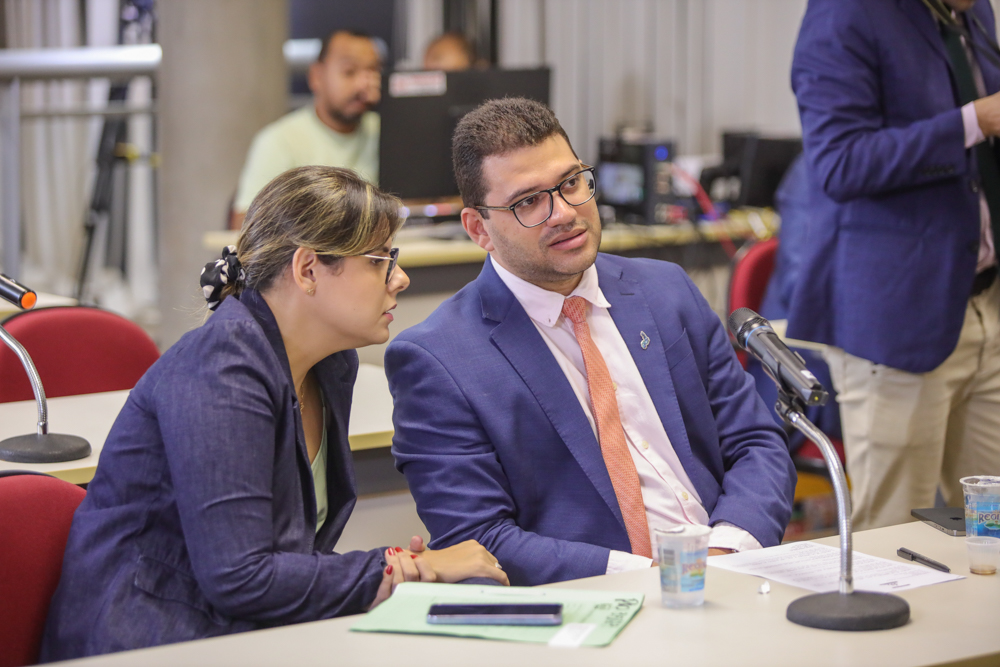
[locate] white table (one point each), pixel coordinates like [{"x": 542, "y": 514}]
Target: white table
[
  {"x": 952, "y": 623},
  {"x": 91, "y": 416}
]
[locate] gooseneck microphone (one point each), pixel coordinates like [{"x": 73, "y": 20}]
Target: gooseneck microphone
[
  {"x": 754, "y": 334},
  {"x": 41, "y": 446},
  {"x": 16, "y": 293},
  {"x": 844, "y": 609}
]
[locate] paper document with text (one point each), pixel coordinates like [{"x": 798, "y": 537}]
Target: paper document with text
[{"x": 816, "y": 567}]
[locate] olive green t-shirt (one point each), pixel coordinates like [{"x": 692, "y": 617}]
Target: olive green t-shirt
[{"x": 299, "y": 139}]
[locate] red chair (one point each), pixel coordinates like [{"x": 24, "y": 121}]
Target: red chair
[
  {"x": 752, "y": 269},
  {"x": 77, "y": 350},
  {"x": 35, "y": 515}
]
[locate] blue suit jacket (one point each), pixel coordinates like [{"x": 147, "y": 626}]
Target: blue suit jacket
[
  {"x": 496, "y": 448},
  {"x": 201, "y": 518},
  {"x": 893, "y": 244}
]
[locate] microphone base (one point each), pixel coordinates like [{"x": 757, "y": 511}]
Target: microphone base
[
  {"x": 48, "y": 448},
  {"x": 852, "y": 612}
]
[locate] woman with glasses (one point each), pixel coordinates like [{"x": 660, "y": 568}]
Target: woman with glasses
[{"x": 226, "y": 480}]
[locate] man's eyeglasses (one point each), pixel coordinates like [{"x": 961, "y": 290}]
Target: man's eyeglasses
[
  {"x": 536, "y": 208},
  {"x": 392, "y": 258}
]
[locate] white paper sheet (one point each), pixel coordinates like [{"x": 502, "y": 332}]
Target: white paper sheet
[{"x": 816, "y": 567}]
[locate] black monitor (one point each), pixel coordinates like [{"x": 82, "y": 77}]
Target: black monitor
[
  {"x": 758, "y": 162},
  {"x": 734, "y": 143},
  {"x": 765, "y": 161},
  {"x": 733, "y": 146},
  {"x": 634, "y": 177},
  {"x": 419, "y": 112}
]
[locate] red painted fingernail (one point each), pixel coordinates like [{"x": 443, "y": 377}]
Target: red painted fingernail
[
  {"x": 399, "y": 550},
  {"x": 413, "y": 556},
  {"x": 388, "y": 570}
]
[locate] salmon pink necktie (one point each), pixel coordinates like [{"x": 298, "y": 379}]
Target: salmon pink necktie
[{"x": 610, "y": 434}]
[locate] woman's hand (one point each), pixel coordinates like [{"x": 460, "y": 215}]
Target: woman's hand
[
  {"x": 462, "y": 561},
  {"x": 400, "y": 567}
]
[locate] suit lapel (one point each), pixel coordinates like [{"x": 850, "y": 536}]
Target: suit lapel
[
  {"x": 518, "y": 340},
  {"x": 921, "y": 17},
  {"x": 258, "y": 307},
  {"x": 633, "y": 318},
  {"x": 341, "y": 486}
]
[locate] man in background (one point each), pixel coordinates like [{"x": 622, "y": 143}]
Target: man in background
[
  {"x": 450, "y": 52},
  {"x": 899, "y": 110},
  {"x": 338, "y": 130}
]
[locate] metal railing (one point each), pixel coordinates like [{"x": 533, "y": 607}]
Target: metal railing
[{"x": 115, "y": 62}]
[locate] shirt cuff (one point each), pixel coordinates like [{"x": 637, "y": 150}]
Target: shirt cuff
[
  {"x": 619, "y": 561},
  {"x": 727, "y": 536},
  {"x": 970, "y": 122}
]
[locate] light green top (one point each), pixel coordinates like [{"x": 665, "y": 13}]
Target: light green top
[
  {"x": 319, "y": 479},
  {"x": 299, "y": 139}
]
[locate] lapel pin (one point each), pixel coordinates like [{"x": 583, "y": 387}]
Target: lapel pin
[{"x": 644, "y": 340}]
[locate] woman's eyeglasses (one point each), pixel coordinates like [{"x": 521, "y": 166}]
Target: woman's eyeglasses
[{"x": 392, "y": 258}]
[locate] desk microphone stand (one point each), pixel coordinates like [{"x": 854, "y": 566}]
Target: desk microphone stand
[
  {"x": 42, "y": 446},
  {"x": 845, "y": 609}
]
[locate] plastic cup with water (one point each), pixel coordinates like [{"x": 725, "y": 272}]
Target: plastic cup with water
[
  {"x": 683, "y": 556},
  {"x": 982, "y": 505}
]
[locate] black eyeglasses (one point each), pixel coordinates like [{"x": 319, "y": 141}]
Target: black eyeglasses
[
  {"x": 392, "y": 259},
  {"x": 536, "y": 208}
]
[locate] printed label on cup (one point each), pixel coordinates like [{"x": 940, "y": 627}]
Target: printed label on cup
[
  {"x": 687, "y": 578},
  {"x": 982, "y": 516},
  {"x": 982, "y": 505}
]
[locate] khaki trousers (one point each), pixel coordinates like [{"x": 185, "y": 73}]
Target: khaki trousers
[{"x": 906, "y": 434}]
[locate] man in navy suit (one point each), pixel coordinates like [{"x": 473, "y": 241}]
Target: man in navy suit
[
  {"x": 566, "y": 404},
  {"x": 899, "y": 109}
]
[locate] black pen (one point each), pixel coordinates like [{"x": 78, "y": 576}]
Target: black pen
[{"x": 903, "y": 552}]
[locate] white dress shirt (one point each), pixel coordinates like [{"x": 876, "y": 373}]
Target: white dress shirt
[{"x": 667, "y": 492}]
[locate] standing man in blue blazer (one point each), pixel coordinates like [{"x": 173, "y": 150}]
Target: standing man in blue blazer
[
  {"x": 899, "y": 113},
  {"x": 566, "y": 404}
]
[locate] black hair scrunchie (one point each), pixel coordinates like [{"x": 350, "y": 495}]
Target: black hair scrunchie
[{"x": 216, "y": 275}]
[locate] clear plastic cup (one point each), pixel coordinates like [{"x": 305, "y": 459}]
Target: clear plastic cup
[
  {"x": 984, "y": 554},
  {"x": 982, "y": 505},
  {"x": 683, "y": 556}
]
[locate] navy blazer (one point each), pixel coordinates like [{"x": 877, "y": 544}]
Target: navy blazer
[
  {"x": 201, "y": 518},
  {"x": 496, "y": 447},
  {"x": 894, "y": 240}
]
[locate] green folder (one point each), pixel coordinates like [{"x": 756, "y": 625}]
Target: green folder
[{"x": 590, "y": 618}]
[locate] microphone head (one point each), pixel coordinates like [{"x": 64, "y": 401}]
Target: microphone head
[{"x": 742, "y": 321}]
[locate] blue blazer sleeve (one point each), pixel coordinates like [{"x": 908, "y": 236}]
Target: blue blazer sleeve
[
  {"x": 460, "y": 487},
  {"x": 220, "y": 424},
  {"x": 756, "y": 474},
  {"x": 842, "y": 76}
]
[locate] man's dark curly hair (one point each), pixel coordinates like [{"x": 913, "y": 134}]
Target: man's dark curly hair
[{"x": 494, "y": 128}]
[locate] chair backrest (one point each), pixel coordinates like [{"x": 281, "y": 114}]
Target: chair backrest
[
  {"x": 752, "y": 269},
  {"x": 77, "y": 350},
  {"x": 35, "y": 515}
]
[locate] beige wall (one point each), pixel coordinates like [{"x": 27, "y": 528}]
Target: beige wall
[{"x": 223, "y": 77}]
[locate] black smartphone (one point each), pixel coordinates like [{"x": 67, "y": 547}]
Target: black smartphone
[
  {"x": 950, "y": 520},
  {"x": 495, "y": 614}
]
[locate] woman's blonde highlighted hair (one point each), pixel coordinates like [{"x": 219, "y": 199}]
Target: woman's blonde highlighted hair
[{"x": 329, "y": 210}]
